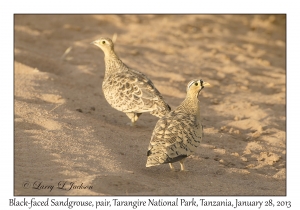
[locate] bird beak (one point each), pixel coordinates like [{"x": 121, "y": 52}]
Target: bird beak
[
  {"x": 94, "y": 42},
  {"x": 205, "y": 84}
]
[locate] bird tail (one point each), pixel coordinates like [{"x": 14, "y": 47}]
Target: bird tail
[
  {"x": 155, "y": 157},
  {"x": 161, "y": 111},
  {"x": 152, "y": 162}
]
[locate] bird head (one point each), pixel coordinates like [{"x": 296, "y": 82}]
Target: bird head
[
  {"x": 195, "y": 86},
  {"x": 104, "y": 44}
]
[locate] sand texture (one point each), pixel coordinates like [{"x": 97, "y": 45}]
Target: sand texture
[{"x": 66, "y": 132}]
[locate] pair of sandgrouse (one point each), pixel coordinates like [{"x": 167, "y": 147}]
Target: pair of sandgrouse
[{"x": 177, "y": 133}]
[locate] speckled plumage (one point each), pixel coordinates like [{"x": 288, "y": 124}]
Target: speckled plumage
[
  {"x": 128, "y": 90},
  {"x": 178, "y": 133}
]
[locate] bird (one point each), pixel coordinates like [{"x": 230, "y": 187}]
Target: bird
[
  {"x": 126, "y": 89},
  {"x": 178, "y": 134}
]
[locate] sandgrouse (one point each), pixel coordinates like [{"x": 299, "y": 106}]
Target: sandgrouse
[
  {"x": 128, "y": 90},
  {"x": 178, "y": 133}
]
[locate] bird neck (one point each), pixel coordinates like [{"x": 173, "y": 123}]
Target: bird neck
[
  {"x": 190, "y": 105},
  {"x": 113, "y": 63}
]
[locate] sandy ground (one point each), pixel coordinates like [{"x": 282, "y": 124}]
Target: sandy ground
[{"x": 66, "y": 132}]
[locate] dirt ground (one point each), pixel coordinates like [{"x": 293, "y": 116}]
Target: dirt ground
[{"x": 66, "y": 132}]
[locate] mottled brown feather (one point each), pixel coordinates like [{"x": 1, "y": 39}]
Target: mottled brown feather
[
  {"x": 179, "y": 133},
  {"x": 128, "y": 90}
]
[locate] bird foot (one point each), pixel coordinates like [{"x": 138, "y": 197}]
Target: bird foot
[{"x": 131, "y": 124}]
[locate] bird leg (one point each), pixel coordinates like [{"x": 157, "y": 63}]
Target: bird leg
[
  {"x": 182, "y": 165},
  {"x": 133, "y": 117},
  {"x": 171, "y": 166}
]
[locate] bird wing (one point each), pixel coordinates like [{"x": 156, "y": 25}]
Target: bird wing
[
  {"x": 176, "y": 134},
  {"x": 131, "y": 91}
]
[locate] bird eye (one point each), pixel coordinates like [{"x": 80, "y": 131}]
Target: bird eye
[
  {"x": 103, "y": 42},
  {"x": 196, "y": 83}
]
